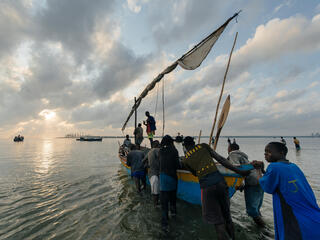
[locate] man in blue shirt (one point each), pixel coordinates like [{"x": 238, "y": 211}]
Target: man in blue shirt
[{"x": 295, "y": 209}]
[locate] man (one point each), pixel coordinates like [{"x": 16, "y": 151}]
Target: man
[
  {"x": 169, "y": 163},
  {"x": 214, "y": 190},
  {"x": 138, "y": 135},
  {"x": 253, "y": 193},
  {"x": 154, "y": 171},
  {"x": 134, "y": 160},
  {"x": 127, "y": 141},
  {"x": 283, "y": 141},
  {"x": 151, "y": 126},
  {"x": 295, "y": 209},
  {"x": 296, "y": 143}
]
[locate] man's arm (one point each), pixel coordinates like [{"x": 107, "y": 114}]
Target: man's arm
[
  {"x": 129, "y": 160},
  {"x": 224, "y": 162},
  {"x": 145, "y": 160},
  {"x": 185, "y": 166}
]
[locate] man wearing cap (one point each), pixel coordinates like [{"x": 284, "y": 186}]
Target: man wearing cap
[{"x": 214, "y": 190}]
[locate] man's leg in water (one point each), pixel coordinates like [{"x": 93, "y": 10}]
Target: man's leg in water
[
  {"x": 137, "y": 182},
  {"x": 221, "y": 232},
  {"x": 230, "y": 229},
  {"x": 144, "y": 183},
  {"x": 155, "y": 198}
]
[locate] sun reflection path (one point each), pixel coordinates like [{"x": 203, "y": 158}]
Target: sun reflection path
[{"x": 46, "y": 157}]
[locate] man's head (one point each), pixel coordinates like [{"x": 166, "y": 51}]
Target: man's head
[
  {"x": 127, "y": 136},
  {"x": 155, "y": 144},
  {"x": 147, "y": 114},
  {"x": 188, "y": 142},
  {"x": 233, "y": 147},
  {"x": 166, "y": 141},
  {"x": 139, "y": 124},
  {"x": 294, "y": 137},
  {"x": 275, "y": 151}
]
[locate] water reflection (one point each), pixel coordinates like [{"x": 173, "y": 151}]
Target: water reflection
[{"x": 46, "y": 157}]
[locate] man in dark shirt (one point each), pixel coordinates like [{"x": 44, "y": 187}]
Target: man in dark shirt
[
  {"x": 169, "y": 163},
  {"x": 138, "y": 135},
  {"x": 134, "y": 160},
  {"x": 214, "y": 190}
]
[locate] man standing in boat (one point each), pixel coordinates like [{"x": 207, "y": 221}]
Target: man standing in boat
[
  {"x": 214, "y": 190},
  {"x": 138, "y": 135},
  {"x": 151, "y": 126}
]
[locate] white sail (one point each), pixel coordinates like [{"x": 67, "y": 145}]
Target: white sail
[{"x": 190, "y": 61}]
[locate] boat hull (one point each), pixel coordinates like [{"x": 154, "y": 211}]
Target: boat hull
[{"x": 189, "y": 187}]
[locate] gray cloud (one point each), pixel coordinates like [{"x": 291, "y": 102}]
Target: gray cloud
[
  {"x": 14, "y": 25},
  {"x": 71, "y": 23},
  {"x": 122, "y": 68},
  {"x": 191, "y": 14}
]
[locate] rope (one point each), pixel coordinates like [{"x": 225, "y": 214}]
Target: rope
[
  {"x": 163, "y": 117},
  {"x": 155, "y": 110}
]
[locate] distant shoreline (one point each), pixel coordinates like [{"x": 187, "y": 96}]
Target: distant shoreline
[{"x": 208, "y": 136}]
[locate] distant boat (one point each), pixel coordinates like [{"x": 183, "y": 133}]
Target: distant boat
[
  {"x": 90, "y": 139},
  {"x": 18, "y": 138}
]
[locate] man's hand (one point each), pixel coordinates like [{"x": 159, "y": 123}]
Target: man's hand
[{"x": 257, "y": 164}]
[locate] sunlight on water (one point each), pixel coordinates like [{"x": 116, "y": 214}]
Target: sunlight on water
[{"x": 45, "y": 158}]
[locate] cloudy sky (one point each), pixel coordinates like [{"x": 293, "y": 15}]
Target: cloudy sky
[{"x": 75, "y": 65}]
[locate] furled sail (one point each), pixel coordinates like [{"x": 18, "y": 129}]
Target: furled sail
[{"x": 189, "y": 61}]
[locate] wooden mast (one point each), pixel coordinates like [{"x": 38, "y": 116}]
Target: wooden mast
[{"x": 224, "y": 80}]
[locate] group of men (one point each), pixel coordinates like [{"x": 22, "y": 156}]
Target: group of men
[
  {"x": 150, "y": 124},
  {"x": 296, "y": 213},
  {"x": 295, "y": 141}
]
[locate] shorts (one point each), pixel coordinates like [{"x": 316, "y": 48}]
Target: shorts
[
  {"x": 150, "y": 134},
  {"x": 216, "y": 204},
  {"x": 253, "y": 196},
  {"x": 139, "y": 174},
  {"x": 155, "y": 185}
]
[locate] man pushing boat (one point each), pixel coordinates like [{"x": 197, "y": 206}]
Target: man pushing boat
[{"x": 214, "y": 190}]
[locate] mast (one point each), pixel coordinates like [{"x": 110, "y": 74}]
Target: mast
[
  {"x": 135, "y": 114},
  {"x": 224, "y": 80}
]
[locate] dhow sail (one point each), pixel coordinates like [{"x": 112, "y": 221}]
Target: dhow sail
[{"x": 189, "y": 61}]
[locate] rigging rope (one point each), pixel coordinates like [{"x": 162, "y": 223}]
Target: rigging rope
[
  {"x": 155, "y": 111},
  {"x": 163, "y": 118}
]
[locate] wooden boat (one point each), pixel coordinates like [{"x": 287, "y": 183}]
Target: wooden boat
[
  {"x": 188, "y": 185},
  {"x": 18, "y": 138}
]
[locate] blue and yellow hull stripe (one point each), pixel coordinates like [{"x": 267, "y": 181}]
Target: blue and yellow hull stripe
[{"x": 189, "y": 187}]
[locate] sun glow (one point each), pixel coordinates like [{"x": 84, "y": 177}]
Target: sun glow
[{"x": 47, "y": 114}]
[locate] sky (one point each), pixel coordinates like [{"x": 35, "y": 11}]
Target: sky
[{"x": 70, "y": 66}]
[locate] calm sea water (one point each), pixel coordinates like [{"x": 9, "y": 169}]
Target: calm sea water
[{"x": 64, "y": 189}]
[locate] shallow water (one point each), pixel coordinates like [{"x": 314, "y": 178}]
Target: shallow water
[{"x": 64, "y": 189}]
